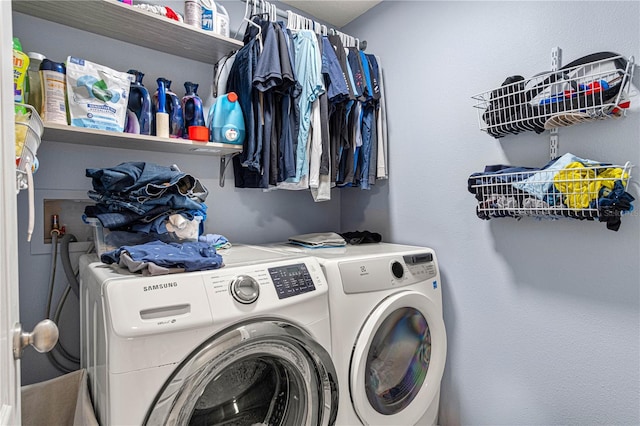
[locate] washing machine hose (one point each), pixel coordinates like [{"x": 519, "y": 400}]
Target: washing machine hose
[{"x": 73, "y": 284}]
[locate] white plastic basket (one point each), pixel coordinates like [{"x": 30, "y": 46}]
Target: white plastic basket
[{"x": 28, "y": 136}]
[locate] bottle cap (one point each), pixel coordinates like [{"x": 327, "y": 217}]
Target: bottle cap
[
  {"x": 199, "y": 133},
  {"x": 232, "y": 96},
  {"x": 16, "y": 44},
  {"x": 37, "y": 56}
]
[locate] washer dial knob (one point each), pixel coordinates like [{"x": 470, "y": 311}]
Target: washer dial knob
[
  {"x": 245, "y": 289},
  {"x": 397, "y": 269}
]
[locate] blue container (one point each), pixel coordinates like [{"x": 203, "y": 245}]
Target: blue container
[
  {"x": 173, "y": 107},
  {"x": 191, "y": 108},
  {"x": 226, "y": 122},
  {"x": 140, "y": 102}
]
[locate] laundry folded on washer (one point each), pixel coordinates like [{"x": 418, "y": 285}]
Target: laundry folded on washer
[
  {"x": 155, "y": 255},
  {"x": 148, "y": 198},
  {"x": 361, "y": 237},
  {"x": 216, "y": 240},
  {"x": 318, "y": 240}
]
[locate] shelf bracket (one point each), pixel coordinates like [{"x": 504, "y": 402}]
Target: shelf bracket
[
  {"x": 554, "y": 138},
  {"x": 224, "y": 163}
]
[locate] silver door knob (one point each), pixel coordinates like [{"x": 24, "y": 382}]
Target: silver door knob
[{"x": 43, "y": 337}]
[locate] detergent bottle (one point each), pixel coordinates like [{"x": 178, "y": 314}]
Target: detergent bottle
[
  {"x": 34, "y": 88},
  {"x": 53, "y": 81},
  {"x": 222, "y": 21},
  {"x": 191, "y": 107},
  {"x": 226, "y": 122},
  {"x": 140, "y": 102},
  {"x": 173, "y": 107},
  {"x": 20, "y": 66}
]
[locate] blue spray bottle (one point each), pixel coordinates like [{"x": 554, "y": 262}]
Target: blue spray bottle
[
  {"x": 191, "y": 108},
  {"x": 173, "y": 108},
  {"x": 161, "y": 118},
  {"x": 140, "y": 102}
]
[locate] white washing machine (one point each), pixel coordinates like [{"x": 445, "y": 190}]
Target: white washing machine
[
  {"x": 388, "y": 334},
  {"x": 245, "y": 344}
]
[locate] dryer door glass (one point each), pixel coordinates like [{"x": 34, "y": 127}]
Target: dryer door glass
[
  {"x": 268, "y": 372},
  {"x": 398, "y": 360}
]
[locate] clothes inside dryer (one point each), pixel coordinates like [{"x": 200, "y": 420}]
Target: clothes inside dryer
[
  {"x": 254, "y": 391},
  {"x": 398, "y": 360}
]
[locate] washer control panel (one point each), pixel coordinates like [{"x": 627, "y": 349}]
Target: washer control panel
[{"x": 291, "y": 280}]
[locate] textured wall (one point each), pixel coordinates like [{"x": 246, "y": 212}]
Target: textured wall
[{"x": 542, "y": 316}]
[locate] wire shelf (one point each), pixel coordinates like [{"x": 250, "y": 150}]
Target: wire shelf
[
  {"x": 593, "y": 91},
  {"x": 592, "y": 191}
]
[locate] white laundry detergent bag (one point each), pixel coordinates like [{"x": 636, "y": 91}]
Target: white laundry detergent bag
[{"x": 97, "y": 95}]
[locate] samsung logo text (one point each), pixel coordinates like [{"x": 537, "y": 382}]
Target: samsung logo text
[{"x": 160, "y": 286}]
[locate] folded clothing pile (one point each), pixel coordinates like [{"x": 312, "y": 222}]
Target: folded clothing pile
[
  {"x": 149, "y": 204},
  {"x": 318, "y": 240}
]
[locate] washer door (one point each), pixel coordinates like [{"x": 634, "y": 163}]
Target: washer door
[
  {"x": 269, "y": 372},
  {"x": 398, "y": 360}
]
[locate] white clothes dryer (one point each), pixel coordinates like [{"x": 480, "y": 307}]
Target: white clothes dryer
[
  {"x": 245, "y": 344},
  {"x": 388, "y": 334}
]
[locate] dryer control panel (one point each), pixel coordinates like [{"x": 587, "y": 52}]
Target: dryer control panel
[{"x": 384, "y": 272}]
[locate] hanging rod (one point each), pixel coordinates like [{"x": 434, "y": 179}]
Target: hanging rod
[{"x": 283, "y": 14}]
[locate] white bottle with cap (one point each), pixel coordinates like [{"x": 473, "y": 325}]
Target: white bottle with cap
[
  {"x": 222, "y": 21},
  {"x": 200, "y": 13}
]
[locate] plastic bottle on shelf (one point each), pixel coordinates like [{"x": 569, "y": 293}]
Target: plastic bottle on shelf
[
  {"x": 221, "y": 21},
  {"x": 200, "y": 14},
  {"x": 191, "y": 108},
  {"x": 226, "y": 122},
  {"x": 173, "y": 106},
  {"x": 140, "y": 102},
  {"x": 53, "y": 84},
  {"x": 34, "y": 87},
  {"x": 20, "y": 66}
]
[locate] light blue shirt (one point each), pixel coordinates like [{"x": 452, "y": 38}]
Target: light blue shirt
[{"x": 308, "y": 71}]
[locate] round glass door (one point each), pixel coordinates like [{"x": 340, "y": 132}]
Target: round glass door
[
  {"x": 398, "y": 360},
  {"x": 269, "y": 372}
]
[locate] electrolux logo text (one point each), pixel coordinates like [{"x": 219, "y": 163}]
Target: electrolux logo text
[{"x": 160, "y": 286}]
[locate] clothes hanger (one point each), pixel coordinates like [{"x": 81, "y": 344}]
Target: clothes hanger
[{"x": 250, "y": 22}]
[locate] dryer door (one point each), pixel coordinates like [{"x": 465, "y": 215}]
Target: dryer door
[
  {"x": 268, "y": 372},
  {"x": 398, "y": 360}
]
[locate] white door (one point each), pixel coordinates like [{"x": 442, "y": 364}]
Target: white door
[
  {"x": 12, "y": 337},
  {"x": 9, "y": 369}
]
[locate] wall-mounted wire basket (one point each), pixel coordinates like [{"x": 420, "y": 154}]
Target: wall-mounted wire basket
[
  {"x": 28, "y": 133},
  {"x": 591, "y": 91},
  {"x": 591, "y": 191}
]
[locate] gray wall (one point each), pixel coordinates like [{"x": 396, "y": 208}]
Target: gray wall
[{"x": 542, "y": 316}]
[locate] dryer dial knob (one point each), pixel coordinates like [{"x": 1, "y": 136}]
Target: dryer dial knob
[
  {"x": 245, "y": 289},
  {"x": 397, "y": 269}
]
